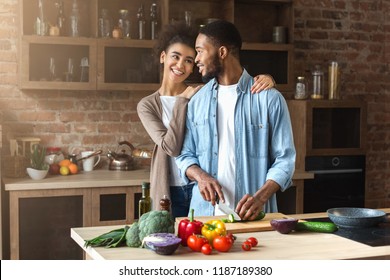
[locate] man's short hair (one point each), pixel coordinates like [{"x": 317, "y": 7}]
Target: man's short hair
[{"x": 223, "y": 33}]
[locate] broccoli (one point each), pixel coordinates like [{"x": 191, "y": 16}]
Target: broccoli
[
  {"x": 132, "y": 236},
  {"x": 150, "y": 222}
]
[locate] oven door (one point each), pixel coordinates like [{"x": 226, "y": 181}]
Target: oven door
[{"x": 338, "y": 182}]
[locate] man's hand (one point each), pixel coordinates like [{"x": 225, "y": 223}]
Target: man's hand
[
  {"x": 208, "y": 185},
  {"x": 250, "y": 206}
]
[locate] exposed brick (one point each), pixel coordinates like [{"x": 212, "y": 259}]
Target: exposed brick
[
  {"x": 41, "y": 116},
  {"x": 72, "y": 117}
]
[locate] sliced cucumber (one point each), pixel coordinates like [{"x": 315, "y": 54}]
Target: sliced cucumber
[{"x": 325, "y": 227}]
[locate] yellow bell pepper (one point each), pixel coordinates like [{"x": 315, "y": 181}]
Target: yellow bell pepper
[{"x": 212, "y": 229}]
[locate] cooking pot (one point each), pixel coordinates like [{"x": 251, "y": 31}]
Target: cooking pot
[
  {"x": 121, "y": 160},
  {"x": 351, "y": 217}
]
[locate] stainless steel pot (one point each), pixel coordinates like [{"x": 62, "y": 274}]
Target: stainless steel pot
[{"x": 351, "y": 217}]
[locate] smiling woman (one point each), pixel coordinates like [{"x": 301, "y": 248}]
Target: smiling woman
[{"x": 163, "y": 115}]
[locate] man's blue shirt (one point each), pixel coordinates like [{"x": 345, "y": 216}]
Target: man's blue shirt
[{"x": 264, "y": 146}]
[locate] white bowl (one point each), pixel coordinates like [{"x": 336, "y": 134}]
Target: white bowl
[{"x": 36, "y": 174}]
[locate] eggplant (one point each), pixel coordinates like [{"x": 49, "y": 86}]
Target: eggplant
[{"x": 162, "y": 243}]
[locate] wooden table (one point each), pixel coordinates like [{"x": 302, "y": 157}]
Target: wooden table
[
  {"x": 89, "y": 185},
  {"x": 272, "y": 246}
]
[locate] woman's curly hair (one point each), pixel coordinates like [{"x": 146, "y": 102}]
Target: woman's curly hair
[{"x": 175, "y": 33}]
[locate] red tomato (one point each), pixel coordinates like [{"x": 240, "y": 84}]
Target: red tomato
[
  {"x": 195, "y": 242},
  {"x": 207, "y": 249},
  {"x": 246, "y": 246},
  {"x": 253, "y": 241},
  {"x": 222, "y": 243},
  {"x": 231, "y": 236}
]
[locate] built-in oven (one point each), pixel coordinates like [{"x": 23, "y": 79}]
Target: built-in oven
[{"x": 339, "y": 181}]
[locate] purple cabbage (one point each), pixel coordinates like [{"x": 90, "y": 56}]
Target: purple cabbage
[{"x": 162, "y": 243}]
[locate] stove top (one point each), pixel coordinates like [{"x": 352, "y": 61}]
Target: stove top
[{"x": 372, "y": 236}]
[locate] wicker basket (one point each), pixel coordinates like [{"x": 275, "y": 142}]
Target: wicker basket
[{"x": 15, "y": 166}]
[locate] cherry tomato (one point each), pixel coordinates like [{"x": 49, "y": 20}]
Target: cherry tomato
[
  {"x": 195, "y": 242},
  {"x": 231, "y": 236},
  {"x": 206, "y": 249},
  {"x": 246, "y": 246},
  {"x": 253, "y": 241},
  {"x": 222, "y": 243}
]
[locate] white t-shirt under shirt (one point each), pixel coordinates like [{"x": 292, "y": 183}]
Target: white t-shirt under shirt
[
  {"x": 168, "y": 102},
  {"x": 227, "y": 99}
]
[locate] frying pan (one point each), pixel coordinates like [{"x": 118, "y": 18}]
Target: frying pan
[{"x": 351, "y": 217}]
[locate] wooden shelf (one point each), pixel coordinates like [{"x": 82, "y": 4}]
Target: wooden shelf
[{"x": 129, "y": 55}]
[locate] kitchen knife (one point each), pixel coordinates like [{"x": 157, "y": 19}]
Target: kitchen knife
[{"x": 227, "y": 210}]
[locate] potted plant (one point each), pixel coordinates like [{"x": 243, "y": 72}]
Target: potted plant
[{"x": 38, "y": 167}]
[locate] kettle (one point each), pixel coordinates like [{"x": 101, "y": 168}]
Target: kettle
[{"x": 121, "y": 161}]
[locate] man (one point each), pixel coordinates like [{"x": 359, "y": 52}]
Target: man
[{"x": 238, "y": 146}]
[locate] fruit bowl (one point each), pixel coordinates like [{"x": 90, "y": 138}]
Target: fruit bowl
[{"x": 36, "y": 174}]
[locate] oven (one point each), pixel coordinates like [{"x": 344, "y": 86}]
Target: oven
[{"x": 339, "y": 181}]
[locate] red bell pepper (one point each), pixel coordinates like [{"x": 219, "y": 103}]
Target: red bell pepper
[{"x": 188, "y": 227}]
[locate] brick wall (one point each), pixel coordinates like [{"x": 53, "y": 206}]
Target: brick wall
[{"x": 354, "y": 33}]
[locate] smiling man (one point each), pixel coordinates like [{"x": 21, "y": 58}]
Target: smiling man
[{"x": 238, "y": 146}]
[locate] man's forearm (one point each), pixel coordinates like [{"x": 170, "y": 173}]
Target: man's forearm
[
  {"x": 267, "y": 190},
  {"x": 194, "y": 172}
]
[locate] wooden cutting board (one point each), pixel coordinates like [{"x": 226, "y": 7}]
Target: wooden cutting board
[{"x": 240, "y": 227}]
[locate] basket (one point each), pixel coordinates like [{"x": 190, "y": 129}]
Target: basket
[{"x": 15, "y": 166}]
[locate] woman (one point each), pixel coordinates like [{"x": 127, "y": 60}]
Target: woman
[{"x": 163, "y": 115}]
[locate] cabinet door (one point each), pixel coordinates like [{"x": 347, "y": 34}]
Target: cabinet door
[
  {"x": 45, "y": 63},
  {"x": 38, "y": 45},
  {"x": 127, "y": 65},
  {"x": 115, "y": 205},
  {"x": 40, "y": 222}
]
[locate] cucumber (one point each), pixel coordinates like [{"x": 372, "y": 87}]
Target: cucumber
[
  {"x": 325, "y": 227},
  {"x": 231, "y": 218}
]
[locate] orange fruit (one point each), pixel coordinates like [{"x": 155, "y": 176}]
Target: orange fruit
[
  {"x": 73, "y": 168},
  {"x": 65, "y": 162},
  {"x": 64, "y": 170}
]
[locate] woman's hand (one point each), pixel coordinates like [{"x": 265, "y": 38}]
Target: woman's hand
[
  {"x": 262, "y": 82},
  {"x": 190, "y": 91}
]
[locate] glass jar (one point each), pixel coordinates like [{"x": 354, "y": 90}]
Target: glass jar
[
  {"x": 124, "y": 23},
  {"x": 74, "y": 21},
  {"x": 318, "y": 83},
  {"x": 53, "y": 155},
  {"x": 334, "y": 80},
  {"x": 301, "y": 88},
  {"x": 105, "y": 24}
]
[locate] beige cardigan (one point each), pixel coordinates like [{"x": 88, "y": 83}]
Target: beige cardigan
[{"x": 168, "y": 141}]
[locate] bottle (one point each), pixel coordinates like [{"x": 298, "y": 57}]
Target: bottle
[
  {"x": 300, "y": 88},
  {"x": 145, "y": 203},
  {"x": 141, "y": 23},
  {"x": 105, "y": 24},
  {"x": 74, "y": 20},
  {"x": 334, "y": 80},
  {"x": 165, "y": 203},
  {"x": 318, "y": 83},
  {"x": 61, "y": 18},
  {"x": 153, "y": 22},
  {"x": 124, "y": 23}
]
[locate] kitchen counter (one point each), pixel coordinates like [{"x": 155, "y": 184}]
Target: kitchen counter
[
  {"x": 272, "y": 246},
  {"x": 92, "y": 179}
]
